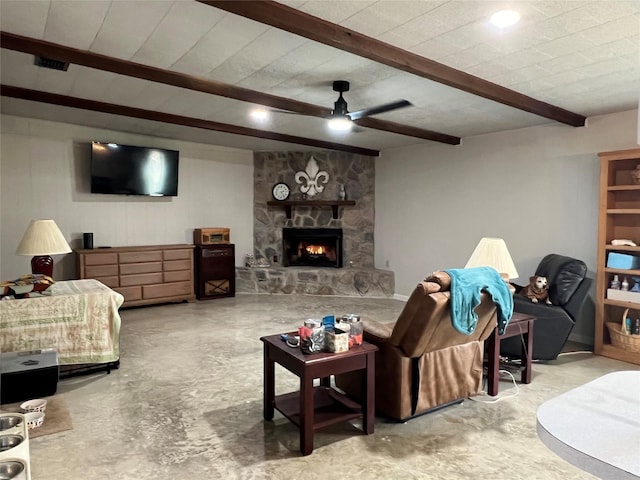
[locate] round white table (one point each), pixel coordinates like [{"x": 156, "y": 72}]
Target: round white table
[{"x": 596, "y": 426}]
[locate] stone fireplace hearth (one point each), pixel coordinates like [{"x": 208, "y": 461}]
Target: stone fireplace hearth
[{"x": 352, "y": 274}]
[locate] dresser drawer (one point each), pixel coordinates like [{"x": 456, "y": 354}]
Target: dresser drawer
[
  {"x": 130, "y": 268},
  {"x": 140, "y": 279},
  {"x": 101, "y": 259},
  {"x": 100, "y": 271},
  {"x": 176, "y": 265},
  {"x": 141, "y": 257},
  {"x": 166, "y": 290},
  {"x": 181, "y": 254},
  {"x": 111, "y": 281},
  {"x": 178, "y": 275},
  {"x": 130, "y": 293}
]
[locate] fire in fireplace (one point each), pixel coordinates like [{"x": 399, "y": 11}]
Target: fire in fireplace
[{"x": 312, "y": 247}]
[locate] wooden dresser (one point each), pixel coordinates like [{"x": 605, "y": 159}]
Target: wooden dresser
[{"x": 144, "y": 275}]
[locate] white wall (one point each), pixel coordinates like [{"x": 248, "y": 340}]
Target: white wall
[
  {"x": 44, "y": 174},
  {"x": 536, "y": 187}
]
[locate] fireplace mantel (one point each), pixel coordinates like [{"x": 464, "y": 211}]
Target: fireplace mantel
[{"x": 289, "y": 204}]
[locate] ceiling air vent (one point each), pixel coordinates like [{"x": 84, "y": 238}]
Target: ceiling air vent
[{"x": 51, "y": 63}]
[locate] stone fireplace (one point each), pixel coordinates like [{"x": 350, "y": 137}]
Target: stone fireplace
[
  {"x": 312, "y": 247},
  {"x": 346, "y": 268}
]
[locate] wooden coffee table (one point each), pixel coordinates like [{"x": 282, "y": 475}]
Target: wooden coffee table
[
  {"x": 313, "y": 408},
  {"x": 520, "y": 324}
]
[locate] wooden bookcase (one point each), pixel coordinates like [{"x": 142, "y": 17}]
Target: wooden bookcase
[{"x": 619, "y": 218}]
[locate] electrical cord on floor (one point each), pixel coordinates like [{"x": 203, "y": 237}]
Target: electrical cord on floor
[
  {"x": 573, "y": 353},
  {"x": 524, "y": 346},
  {"x": 501, "y": 397},
  {"x": 517, "y": 363},
  {"x": 559, "y": 355}
]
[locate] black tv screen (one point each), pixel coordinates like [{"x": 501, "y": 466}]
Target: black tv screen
[{"x": 127, "y": 170}]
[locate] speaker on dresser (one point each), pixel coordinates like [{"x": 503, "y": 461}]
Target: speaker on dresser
[{"x": 87, "y": 241}]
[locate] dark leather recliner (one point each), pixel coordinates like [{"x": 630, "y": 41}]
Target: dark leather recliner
[{"x": 568, "y": 292}]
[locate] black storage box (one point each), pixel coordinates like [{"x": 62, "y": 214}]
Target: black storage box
[{"x": 27, "y": 375}]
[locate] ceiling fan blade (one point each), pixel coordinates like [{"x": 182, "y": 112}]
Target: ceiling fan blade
[
  {"x": 289, "y": 112},
  {"x": 379, "y": 109}
]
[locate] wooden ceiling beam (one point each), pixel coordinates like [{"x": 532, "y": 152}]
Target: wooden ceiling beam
[
  {"x": 85, "y": 58},
  {"x": 401, "y": 129},
  {"x": 63, "y": 53},
  {"x": 85, "y": 104},
  {"x": 294, "y": 21}
]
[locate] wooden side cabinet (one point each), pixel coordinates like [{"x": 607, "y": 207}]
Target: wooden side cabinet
[
  {"x": 144, "y": 275},
  {"x": 619, "y": 218},
  {"x": 215, "y": 271}
]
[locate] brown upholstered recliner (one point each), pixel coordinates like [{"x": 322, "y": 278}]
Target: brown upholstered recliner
[{"x": 424, "y": 363}]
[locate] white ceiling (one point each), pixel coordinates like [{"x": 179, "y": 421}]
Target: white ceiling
[{"x": 582, "y": 56}]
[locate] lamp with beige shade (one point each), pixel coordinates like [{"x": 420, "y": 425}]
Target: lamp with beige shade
[
  {"x": 493, "y": 252},
  {"x": 42, "y": 239}
]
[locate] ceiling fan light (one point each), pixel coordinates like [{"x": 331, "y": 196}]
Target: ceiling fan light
[
  {"x": 505, "y": 18},
  {"x": 340, "y": 123},
  {"x": 259, "y": 114}
]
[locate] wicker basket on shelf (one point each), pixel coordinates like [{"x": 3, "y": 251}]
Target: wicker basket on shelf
[{"x": 620, "y": 336}]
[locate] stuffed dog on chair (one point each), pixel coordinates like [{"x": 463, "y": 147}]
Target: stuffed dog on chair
[{"x": 537, "y": 290}]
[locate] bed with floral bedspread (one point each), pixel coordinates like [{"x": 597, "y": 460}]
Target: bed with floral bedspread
[{"x": 79, "y": 318}]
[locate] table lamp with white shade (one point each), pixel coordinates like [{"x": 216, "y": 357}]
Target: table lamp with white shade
[
  {"x": 493, "y": 252},
  {"x": 42, "y": 239}
]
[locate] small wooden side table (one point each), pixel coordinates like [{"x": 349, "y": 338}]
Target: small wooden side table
[
  {"x": 520, "y": 324},
  {"x": 312, "y": 407}
]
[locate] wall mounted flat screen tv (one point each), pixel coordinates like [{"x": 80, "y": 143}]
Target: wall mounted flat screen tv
[{"x": 128, "y": 170}]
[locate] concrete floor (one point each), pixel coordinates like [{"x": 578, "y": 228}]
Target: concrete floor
[{"x": 186, "y": 403}]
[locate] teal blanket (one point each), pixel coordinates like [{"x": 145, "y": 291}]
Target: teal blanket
[{"x": 467, "y": 284}]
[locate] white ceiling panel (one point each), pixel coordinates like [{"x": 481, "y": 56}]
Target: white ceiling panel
[
  {"x": 18, "y": 69},
  {"x": 75, "y": 23},
  {"x": 583, "y": 56},
  {"x": 55, "y": 81},
  {"x": 123, "y": 90},
  {"x": 253, "y": 59},
  {"x": 24, "y": 18},
  {"x": 381, "y": 17},
  {"x": 227, "y": 37},
  {"x": 334, "y": 11},
  {"x": 614, "y": 30},
  {"x": 414, "y": 32},
  {"x": 127, "y": 25},
  {"x": 178, "y": 31},
  {"x": 90, "y": 83},
  {"x": 154, "y": 95}
]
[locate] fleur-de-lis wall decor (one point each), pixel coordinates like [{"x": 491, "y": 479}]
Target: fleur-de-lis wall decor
[{"x": 312, "y": 178}]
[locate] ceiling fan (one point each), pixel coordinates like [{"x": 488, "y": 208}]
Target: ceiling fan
[{"x": 341, "y": 119}]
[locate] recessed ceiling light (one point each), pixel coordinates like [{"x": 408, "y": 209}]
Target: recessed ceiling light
[
  {"x": 260, "y": 114},
  {"x": 505, "y": 18}
]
